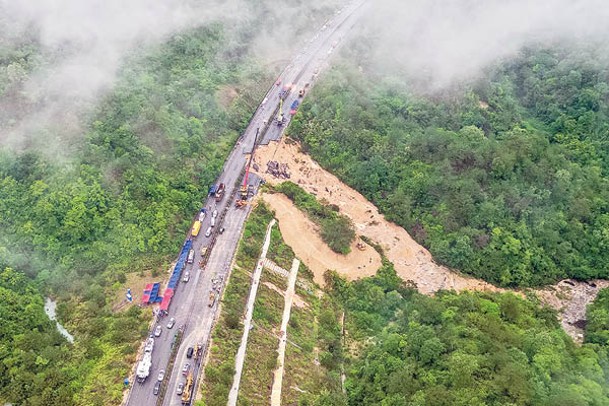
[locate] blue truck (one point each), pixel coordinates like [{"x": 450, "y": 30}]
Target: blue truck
[{"x": 294, "y": 107}]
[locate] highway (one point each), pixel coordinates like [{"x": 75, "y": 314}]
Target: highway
[{"x": 190, "y": 305}]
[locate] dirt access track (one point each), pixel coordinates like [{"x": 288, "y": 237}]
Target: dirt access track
[{"x": 411, "y": 260}]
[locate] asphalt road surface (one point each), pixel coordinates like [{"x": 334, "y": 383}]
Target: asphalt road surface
[{"x": 190, "y": 305}]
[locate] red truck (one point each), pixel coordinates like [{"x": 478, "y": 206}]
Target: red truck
[{"x": 220, "y": 192}]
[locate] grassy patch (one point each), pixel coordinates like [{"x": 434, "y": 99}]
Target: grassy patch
[
  {"x": 227, "y": 333},
  {"x": 261, "y": 356},
  {"x": 311, "y": 365},
  {"x": 336, "y": 230}
]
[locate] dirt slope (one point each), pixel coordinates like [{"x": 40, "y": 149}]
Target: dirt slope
[
  {"x": 301, "y": 234},
  {"x": 411, "y": 260},
  {"x": 571, "y": 298}
]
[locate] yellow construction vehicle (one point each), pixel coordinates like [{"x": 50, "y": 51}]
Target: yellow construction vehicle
[
  {"x": 187, "y": 389},
  {"x": 243, "y": 190}
]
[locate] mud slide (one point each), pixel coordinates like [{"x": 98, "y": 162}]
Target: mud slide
[
  {"x": 571, "y": 298},
  {"x": 411, "y": 260},
  {"x": 302, "y": 235}
]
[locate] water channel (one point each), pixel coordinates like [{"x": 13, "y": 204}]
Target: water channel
[{"x": 50, "y": 307}]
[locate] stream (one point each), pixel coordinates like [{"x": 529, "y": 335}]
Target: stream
[{"x": 49, "y": 308}]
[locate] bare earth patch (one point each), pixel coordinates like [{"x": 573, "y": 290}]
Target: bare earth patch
[
  {"x": 225, "y": 95},
  {"x": 571, "y": 298},
  {"x": 411, "y": 260},
  {"x": 137, "y": 284},
  {"x": 302, "y": 235}
]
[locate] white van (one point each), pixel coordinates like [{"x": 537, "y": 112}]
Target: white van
[
  {"x": 191, "y": 257},
  {"x": 213, "y": 221},
  {"x": 208, "y": 232}
]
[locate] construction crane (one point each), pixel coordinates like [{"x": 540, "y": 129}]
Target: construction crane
[
  {"x": 186, "y": 394},
  {"x": 280, "y": 119},
  {"x": 243, "y": 191}
]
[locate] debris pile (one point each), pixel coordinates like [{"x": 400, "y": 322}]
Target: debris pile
[{"x": 278, "y": 170}]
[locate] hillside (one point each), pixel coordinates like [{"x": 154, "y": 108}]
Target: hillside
[
  {"x": 105, "y": 187},
  {"x": 505, "y": 179}
]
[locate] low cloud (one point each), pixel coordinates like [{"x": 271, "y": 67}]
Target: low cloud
[
  {"x": 85, "y": 42},
  {"x": 445, "y": 41}
]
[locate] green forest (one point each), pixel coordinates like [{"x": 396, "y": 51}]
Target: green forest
[
  {"x": 79, "y": 212},
  {"x": 506, "y": 179},
  {"x": 122, "y": 204},
  {"x": 466, "y": 349}
]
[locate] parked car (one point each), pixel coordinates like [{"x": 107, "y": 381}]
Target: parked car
[
  {"x": 157, "y": 387},
  {"x": 189, "y": 352},
  {"x": 221, "y": 230},
  {"x": 180, "y": 388},
  {"x": 172, "y": 322},
  {"x": 185, "y": 369},
  {"x": 208, "y": 232},
  {"x": 161, "y": 375},
  {"x": 158, "y": 330},
  {"x": 186, "y": 277}
]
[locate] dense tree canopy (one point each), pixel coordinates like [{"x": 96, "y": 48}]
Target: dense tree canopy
[
  {"x": 461, "y": 349},
  {"x": 34, "y": 367},
  {"x": 122, "y": 202},
  {"x": 507, "y": 180},
  {"x": 597, "y": 319}
]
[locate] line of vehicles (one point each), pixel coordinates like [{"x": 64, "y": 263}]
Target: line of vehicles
[
  {"x": 185, "y": 389},
  {"x": 144, "y": 366},
  {"x": 217, "y": 191}
]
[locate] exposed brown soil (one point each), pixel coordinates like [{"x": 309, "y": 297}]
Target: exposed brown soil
[
  {"x": 137, "y": 284},
  {"x": 302, "y": 235},
  {"x": 226, "y": 95},
  {"x": 570, "y": 298},
  {"x": 411, "y": 260}
]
